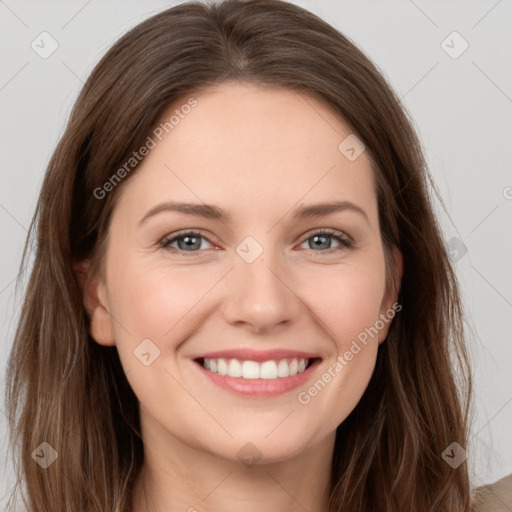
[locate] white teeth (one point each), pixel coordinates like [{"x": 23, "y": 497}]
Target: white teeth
[
  {"x": 268, "y": 370},
  {"x": 255, "y": 370},
  {"x": 250, "y": 370},
  {"x": 222, "y": 367},
  {"x": 282, "y": 369},
  {"x": 235, "y": 368},
  {"x": 293, "y": 368}
]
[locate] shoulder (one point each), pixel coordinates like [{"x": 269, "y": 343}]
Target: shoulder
[{"x": 496, "y": 497}]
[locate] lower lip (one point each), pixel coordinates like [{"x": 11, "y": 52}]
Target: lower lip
[{"x": 260, "y": 388}]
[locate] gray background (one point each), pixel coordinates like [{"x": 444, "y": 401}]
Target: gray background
[{"x": 461, "y": 108}]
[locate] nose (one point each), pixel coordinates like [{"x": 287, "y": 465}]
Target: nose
[{"x": 260, "y": 295}]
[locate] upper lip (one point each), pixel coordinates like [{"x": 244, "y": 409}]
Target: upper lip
[{"x": 248, "y": 354}]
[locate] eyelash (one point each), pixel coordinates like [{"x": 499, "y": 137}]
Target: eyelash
[{"x": 345, "y": 241}]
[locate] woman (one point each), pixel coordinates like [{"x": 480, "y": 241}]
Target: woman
[{"x": 240, "y": 295}]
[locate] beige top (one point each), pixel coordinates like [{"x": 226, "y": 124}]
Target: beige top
[{"x": 496, "y": 497}]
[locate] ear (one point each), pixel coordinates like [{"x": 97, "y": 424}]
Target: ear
[
  {"x": 390, "y": 305},
  {"x": 94, "y": 295}
]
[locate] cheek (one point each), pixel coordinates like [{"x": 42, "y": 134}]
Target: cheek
[
  {"x": 350, "y": 309},
  {"x": 347, "y": 300},
  {"x": 161, "y": 304},
  {"x": 156, "y": 303}
]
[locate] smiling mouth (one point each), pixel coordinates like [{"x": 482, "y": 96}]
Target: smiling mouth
[{"x": 253, "y": 370}]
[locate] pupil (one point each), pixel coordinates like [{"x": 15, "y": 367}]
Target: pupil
[
  {"x": 189, "y": 241},
  {"x": 324, "y": 237}
]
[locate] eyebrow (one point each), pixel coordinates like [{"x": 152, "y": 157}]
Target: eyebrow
[{"x": 209, "y": 211}]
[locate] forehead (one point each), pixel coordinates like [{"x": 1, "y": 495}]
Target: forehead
[{"x": 251, "y": 146}]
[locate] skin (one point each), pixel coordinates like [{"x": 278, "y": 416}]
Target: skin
[{"x": 259, "y": 153}]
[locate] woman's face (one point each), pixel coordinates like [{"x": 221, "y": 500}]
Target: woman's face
[{"x": 257, "y": 285}]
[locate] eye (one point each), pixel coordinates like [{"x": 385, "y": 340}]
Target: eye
[
  {"x": 321, "y": 240},
  {"x": 187, "y": 241},
  {"x": 190, "y": 241}
]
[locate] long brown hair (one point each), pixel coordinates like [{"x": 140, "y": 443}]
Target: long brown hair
[{"x": 68, "y": 391}]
